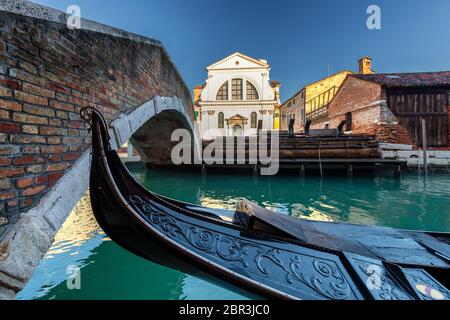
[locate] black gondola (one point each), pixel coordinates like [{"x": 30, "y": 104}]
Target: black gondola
[{"x": 261, "y": 252}]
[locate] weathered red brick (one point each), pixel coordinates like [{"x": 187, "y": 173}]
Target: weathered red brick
[
  {"x": 41, "y": 111},
  {"x": 12, "y": 204},
  {"x": 26, "y": 203},
  {"x": 4, "y": 115},
  {"x": 29, "y": 129},
  {"x": 38, "y": 90},
  {"x": 62, "y": 106},
  {"x": 28, "y": 67},
  {"x": 71, "y": 156},
  {"x": 57, "y": 167},
  {"x": 33, "y": 191},
  {"x": 5, "y": 92},
  {"x": 54, "y": 178},
  {"x": 7, "y": 195},
  {"x": 5, "y": 184},
  {"x": 10, "y": 83},
  {"x": 54, "y": 157},
  {"x": 55, "y": 122},
  {"x": 51, "y": 131},
  {"x": 26, "y": 118},
  {"x": 57, "y": 87},
  {"x": 9, "y": 127},
  {"x": 9, "y": 150},
  {"x": 62, "y": 115},
  {"x": 27, "y": 160},
  {"x": 31, "y": 150},
  {"x": 27, "y": 139},
  {"x": 74, "y": 124},
  {"x": 73, "y": 132},
  {"x": 41, "y": 179},
  {"x": 72, "y": 140},
  {"x": 10, "y": 105},
  {"x": 37, "y": 168},
  {"x": 5, "y": 161},
  {"x": 24, "y": 183},
  {"x": 11, "y": 172},
  {"x": 54, "y": 140},
  {"x": 77, "y": 101},
  {"x": 30, "y": 98},
  {"x": 75, "y": 86},
  {"x": 53, "y": 149}
]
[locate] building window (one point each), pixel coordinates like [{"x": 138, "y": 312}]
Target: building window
[
  {"x": 253, "y": 119},
  {"x": 221, "y": 121},
  {"x": 348, "y": 121},
  {"x": 236, "y": 89},
  {"x": 252, "y": 94},
  {"x": 223, "y": 92}
]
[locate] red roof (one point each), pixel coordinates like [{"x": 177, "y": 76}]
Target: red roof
[{"x": 418, "y": 79}]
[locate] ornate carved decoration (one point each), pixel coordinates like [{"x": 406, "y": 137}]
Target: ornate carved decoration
[{"x": 302, "y": 273}]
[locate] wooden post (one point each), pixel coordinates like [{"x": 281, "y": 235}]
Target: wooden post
[
  {"x": 424, "y": 145},
  {"x": 397, "y": 171},
  {"x": 349, "y": 170},
  {"x": 203, "y": 170}
]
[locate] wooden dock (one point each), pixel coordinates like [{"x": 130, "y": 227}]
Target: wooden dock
[{"x": 318, "y": 154}]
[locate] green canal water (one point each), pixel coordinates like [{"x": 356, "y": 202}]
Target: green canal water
[{"x": 109, "y": 272}]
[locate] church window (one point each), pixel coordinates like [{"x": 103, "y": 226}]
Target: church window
[
  {"x": 252, "y": 93},
  {"x": 222, "y": 95},
  {"x": 253, "y": 119},
  {"x": 221, "y": 122},
  {"x": 236, "y": 86}
]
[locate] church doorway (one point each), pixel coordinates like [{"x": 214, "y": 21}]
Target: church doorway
[
  {"x": 236, "y": 125},
  {"x": 237, "y": 131}
]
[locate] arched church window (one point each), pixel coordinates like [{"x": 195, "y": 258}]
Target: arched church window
[
  {"x": 252, "y": 93},
  {"x": 223, "y": 92},
  {"x": 221, "y": 121},
  {"x": 253, "y": 119},
  {"x": 236, "y": 89}
]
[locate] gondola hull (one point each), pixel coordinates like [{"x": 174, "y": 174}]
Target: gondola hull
[{"x": 268, "y": 263}]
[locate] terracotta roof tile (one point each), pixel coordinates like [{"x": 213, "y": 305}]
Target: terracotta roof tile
[{"x": 419, "y": 79}]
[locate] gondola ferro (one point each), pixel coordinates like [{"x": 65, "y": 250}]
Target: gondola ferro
[{"x": 260, "y": 252}]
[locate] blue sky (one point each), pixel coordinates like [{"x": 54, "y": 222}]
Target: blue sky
[{"x": 302, "y": 40}]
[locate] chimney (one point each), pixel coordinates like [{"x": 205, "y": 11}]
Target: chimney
[{"x": 365, "y": 65}]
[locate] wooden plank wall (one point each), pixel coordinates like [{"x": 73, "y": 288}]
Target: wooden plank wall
[{"x": 411, "y": 105}]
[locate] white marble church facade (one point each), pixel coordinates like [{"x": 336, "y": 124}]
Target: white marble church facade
[{"x": 236, "y": 96}]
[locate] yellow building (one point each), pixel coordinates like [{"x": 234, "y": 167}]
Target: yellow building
[
  {"x": 311, "y": 102},
  {"x": 277, "y": 109}
]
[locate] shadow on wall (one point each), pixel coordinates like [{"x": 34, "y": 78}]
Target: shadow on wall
[{"x": 153, "y": 139}]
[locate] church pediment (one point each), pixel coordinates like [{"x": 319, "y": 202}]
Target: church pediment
[{"x": 238, "y": 61}]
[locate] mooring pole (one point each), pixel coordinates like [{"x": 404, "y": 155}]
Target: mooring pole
[
  {"x": 302, "y": 170},
  {"x": 203, "y": 170},
  {"x": 424, "y": 145}
]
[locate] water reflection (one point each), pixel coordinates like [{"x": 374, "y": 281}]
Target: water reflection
[{"x": 109, "y": 272}]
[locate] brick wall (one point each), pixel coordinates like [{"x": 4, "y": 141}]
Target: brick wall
[
  {"x": 356, "y": 96},
  {"x": 47, "y": 73},
  {"x": 448, "y": 128},
  {"x": 370, "y": 115}
]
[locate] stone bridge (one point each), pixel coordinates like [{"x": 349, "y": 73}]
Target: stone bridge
[{"x": 47, "y": 74}]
